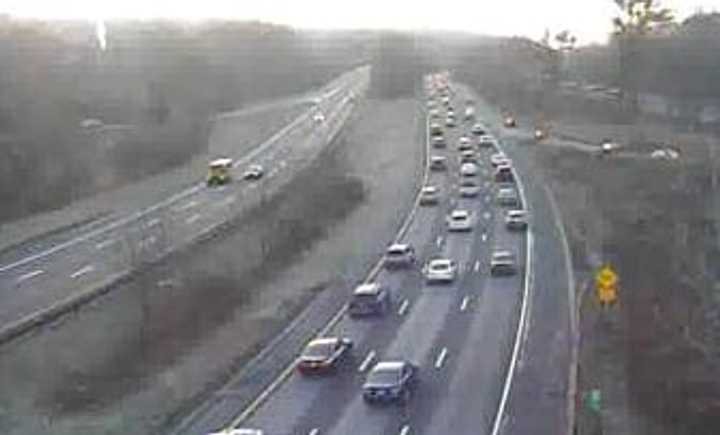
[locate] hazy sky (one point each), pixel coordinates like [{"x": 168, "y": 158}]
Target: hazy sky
[{"x": 589, "y": 19}]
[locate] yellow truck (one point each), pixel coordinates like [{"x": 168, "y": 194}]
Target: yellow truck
[{"x": 219, "y": 172}]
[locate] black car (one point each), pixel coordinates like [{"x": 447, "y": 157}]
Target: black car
[
  {"x": 369, "y": 299},
  {"x": 390, "y": 381}
]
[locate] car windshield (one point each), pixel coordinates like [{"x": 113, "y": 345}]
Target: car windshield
[
  {"x": 319, "y": 349},
  {"x": 439, "y": 266},
  {"x": 384, "y": 376}
]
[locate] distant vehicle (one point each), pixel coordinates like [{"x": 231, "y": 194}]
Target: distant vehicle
[
  {"x": 510, "y": 122},
  {"x": 478, "y": 129},
  {"x": 665, "y": 154},
  {"x": 499, "y": 159},
  {"x": 324, "y": 354},
  {"x": 429, "y": 195},
  {"x": 469, "y": 113},
  {"x": 319, "y": 118},
  {"x": 446, "y": 100},
  {"x": 487, "y": 141},
  {"x": 460, "y": 220},
  {"x": 516, "y": 219},
  {"x": 219, "y": 172},
  {"x": 390, "y": 381},
  {"x": 450, "y": 112},
  {"x": 440, "y": 270},
  {"x": 468, "y": 169},
  {"x": 438, "y": 163},
  {"x": 238, "y": 432},
  {"x": 540, "y": 133},
  {"x": 508, "y": 197},
  {"x": 503, "y": 263},
  {"x": 469, "y": 188},
  {"x": 468, "y": 156},
  {"x": 436, "y": 129},
  {"x": 253, "y": 172},
  {"x": 438, "y": 141},
  {"x": 465, "y": 144},
  {"x": 399, "y": 255},
  {"x": 504, "y": 174},
  {"x": 434, "y": 113},
  {"x": 450, "y": 122},
  {"x": 607, "y": 147},
  {"x": 369, "y": 299}
]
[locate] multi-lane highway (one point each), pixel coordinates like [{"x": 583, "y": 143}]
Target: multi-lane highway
[
  {"x": 469, "y": 338},
  {"x": 41, "y": 279}
]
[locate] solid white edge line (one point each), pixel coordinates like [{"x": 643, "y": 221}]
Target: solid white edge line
[
  {"x": 464, "y": 304},
  {"x": 255, "y": 404},
  {"x": 82, "y": 271},
  {"x": 499, "y": 416},
  {"x": 441, "y": 358},
  {"x": 574, "y": 313},
  {"x": 366, "y": 361}
]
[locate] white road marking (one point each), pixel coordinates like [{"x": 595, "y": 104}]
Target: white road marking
[
  {"x": 192, "y": 218},
  {"x": 403, "y": 307},
  {"x": 405, "y": 430},
  {"x": 153, "y": 222},
  {"x": 464, "y": 303},
  {"x": 82, "y": 271},
  {"x": 439, "y": 241},
  {"x": 29, "y": 275},
  {"x": 441, "y": 358},
  {"x": 315, "y": 431},
  {"x": 477, "y": 266},
  {"x": 187, "y": 205},
  {"x": 484, "y": 237},
  {"x": 105, "y": 243},
  {"x": 366, "y": 362},
  {"x": 486, "y": 215}
]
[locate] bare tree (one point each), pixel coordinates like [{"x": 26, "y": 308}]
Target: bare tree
[{"x": 636, "y": 20}]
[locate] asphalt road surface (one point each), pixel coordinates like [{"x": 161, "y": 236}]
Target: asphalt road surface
[
  {"x": 61, "y": 269},
  {"x": 476, "y": 366}
]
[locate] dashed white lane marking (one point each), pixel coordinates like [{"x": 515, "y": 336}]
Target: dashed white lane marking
[
  {"x": 464, "y": 303},
  {"x": 192, "y": 218},
  {"x": 477, "y": 266},
  {"x": 439, "y": 241},
  {"x": 441, "y": 358},
  {"x": 484, "y": 237},
  {"x": 405, "y": 430},
  {"x": 187, "y": 205},
  {"x": 105, "y": 243},
  {"x": 486, "y": 215},
  {"x": 315, "y": 431},
  {"x": 366, "y": 362},
  {"x": 29, "y": 275},
  {"x": 82, "y": 271},
  {"x": 403, "y": 307}
]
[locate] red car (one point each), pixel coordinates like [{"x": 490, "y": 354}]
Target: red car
[{"x": 324, "y": 354}]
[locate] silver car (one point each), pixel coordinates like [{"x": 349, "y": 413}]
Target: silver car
[
  {"x": 487, "y": 141},
  {"x": 516, "y": 219},
  {"x": 460, "y": 220},
  {"x": 468, "y": 170},
  {"x": 507, "y": 196},
  {"x": 503, "y": 263},
  {"x": 429, "y": 195},
  {"x": 438, "y": 163},
  {"x": 469, "y": 188},
  {"x": 399, "y": 255}
]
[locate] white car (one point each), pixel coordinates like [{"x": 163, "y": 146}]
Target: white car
[
  {"x": 440, "y": 270},
  {"x": 438, "y": 163},
  {"x": 429, "y": 195},
  {"x": 468, "y": 169},
  {"x": 516, "y": 219},
  {"x": 503, "y": 263},
  {"x": 499, "y": 159},
  {"x": 468, "y": 156},
  {"x": 487, "y": 141},
  {"x": 460, "y": 220},
  {"x": 319, "y": 118},
  {"x": 465, "y": 144},
  {"x": 438, "y": 141},
  {"x": 665, "y": 154},
  {"x": 478, "y": 129},
  {"x": 469, "y": 112},
  {"x": 507, "y": 196},
  {"x": 450, "y": 122},
  {"x": 253, "y": 172}
]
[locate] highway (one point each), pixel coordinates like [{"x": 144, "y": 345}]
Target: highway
[
  {"x": 46, "y": 276},
  {"x": 479, "y": 342}
]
